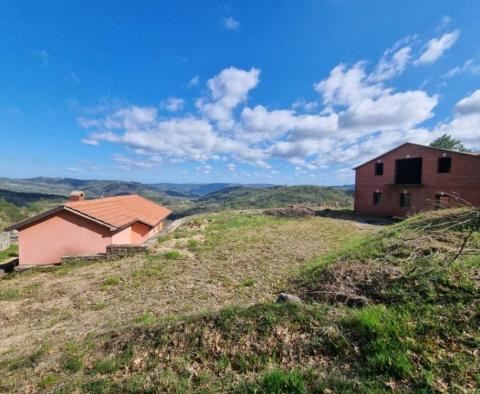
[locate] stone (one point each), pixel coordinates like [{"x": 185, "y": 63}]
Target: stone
[{"x": 285, "y": 298}]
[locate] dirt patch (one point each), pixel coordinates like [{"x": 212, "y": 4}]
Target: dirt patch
[{"x": 292, "y": 211}]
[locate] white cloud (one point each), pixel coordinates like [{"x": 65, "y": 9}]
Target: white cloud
[
  {"x": 437, "y": 46},
  {"x": 346, "y": 86},
  {"x": 362, "y": 115},
  {"x": 230, "y": 23},
  {"x": 465, "y": 122},
  {"x": 468, "y": 67},
  {"x": 227, "y": 90},
  {"x": 345, "y": 175},
  {"x": 74, "y": 169},
  {"x": 392, "y": 63},
  {"x": 194, "y": 81},
  {"x": 444, "y": 22},
  {"x": 89, "y": 141},
  {"x": 303, "y": 105},
  {"x": 391, "y": 111},
  {"x": 172, "y": 104}
]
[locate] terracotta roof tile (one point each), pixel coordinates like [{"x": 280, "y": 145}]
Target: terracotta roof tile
[{"x": 122, "y": 210}]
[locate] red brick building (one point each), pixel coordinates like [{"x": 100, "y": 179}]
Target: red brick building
[{"x": 412, "y": 178}]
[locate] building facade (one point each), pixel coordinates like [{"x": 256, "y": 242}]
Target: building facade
[
  {"x": 413, "y": 178},
  {"x": 85, "y": 227}
]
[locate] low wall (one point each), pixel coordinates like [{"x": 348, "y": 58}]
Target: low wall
[
  {"x": 113, "y": 252},
  {"x": 4, "y": 240}
]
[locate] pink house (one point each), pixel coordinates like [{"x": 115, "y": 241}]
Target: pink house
[{"x": 81, "y": 227}]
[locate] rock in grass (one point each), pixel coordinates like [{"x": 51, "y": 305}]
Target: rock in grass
[{"x": 285, "y": 298}]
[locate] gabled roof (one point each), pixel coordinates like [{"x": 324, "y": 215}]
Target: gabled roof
[
  {"x": 112, "y": 212},
  {"x": 422, "y": 146}
]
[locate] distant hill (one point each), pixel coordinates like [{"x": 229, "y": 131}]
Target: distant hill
[
  {"x": 183, "y": 199},
  {"x": 23, "y": 199},
  {"x": 244, "y": 197},
  {"x": 97, "y": 188},
  {"x": 201, "y": 189}
]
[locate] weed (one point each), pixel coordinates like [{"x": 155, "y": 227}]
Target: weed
[
  {"x": 173, "y": 255},
  {"x": 113, "y": 280},
  {"x": 193, "y": 245},
  {"x": 72, "y": 363},
  {"x": 146, "y": 318},
  {"x": 48, "y": 380},
  {"x": 276, "y": 382},
  {"x": 247, "y": 282},
  {"x": 106, "y": 365},
  {"x": 98, "y": 306}
]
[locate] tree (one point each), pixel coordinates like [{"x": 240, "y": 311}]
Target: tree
[{"x": 447, "y": 142}]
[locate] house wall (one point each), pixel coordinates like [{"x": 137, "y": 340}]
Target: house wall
[
  {"x": 123, "y": 237},
  {"x": 46, "y": 241},
  {"x": 462, "y": 181},
  {"x": 140, "y": 233}
]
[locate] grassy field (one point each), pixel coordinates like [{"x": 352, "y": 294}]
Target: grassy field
[
  {"x": 50, "y": 319},
  {"x": 395, "y": 308}
]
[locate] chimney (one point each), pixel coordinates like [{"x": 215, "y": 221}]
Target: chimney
[{"x": 77, "y": 195}]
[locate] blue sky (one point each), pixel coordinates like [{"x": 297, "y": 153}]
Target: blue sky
[{"x": 241, "y": 91}]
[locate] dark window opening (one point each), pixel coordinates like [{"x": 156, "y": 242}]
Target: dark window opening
[
  {"x": 408, "y": 171},
  {"x": 377, "y": 198},
  {"x": 405, "y": 200},
  {"x": 378, "y": 168},
  {"x": 444, "y": 164}
]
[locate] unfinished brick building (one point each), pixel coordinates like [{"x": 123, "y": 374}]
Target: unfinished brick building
[{"x": 412, "y": 178}]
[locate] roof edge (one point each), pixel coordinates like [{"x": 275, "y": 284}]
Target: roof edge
[
  {"x": 53, "y": 211},
  {"x": 423, "y": 146}
]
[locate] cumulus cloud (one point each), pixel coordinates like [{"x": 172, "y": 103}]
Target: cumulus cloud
[
  {"x": 358, "y": 115},
  {"x": 227, "y": 90},
  {"x": 465, "y": 121},
  {"x": 437, "y": 46}
]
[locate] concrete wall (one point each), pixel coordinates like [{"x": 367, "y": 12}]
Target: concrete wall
[
  {"x": 123, "y": 237},
  {"x": 463, "y": 181},
  {"x": 67, "y": 234},
  {"x": 64, "y": 234},
  {"x": 4, "y": 240}
]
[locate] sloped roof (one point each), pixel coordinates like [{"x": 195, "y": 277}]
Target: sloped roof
[
  {"x": 122, "y": 210},
  {"x": 112, "y": 212},
  {"x": 475, "y": 154}
]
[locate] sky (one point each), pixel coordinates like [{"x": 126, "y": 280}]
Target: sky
[{"x": 272, "y": 91}]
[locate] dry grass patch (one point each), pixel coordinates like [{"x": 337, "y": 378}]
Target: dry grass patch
[{"x": 223, "y": 259}]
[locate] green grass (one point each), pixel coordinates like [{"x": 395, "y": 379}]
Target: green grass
[
  {"x": 173, "y": 255},
  {"x": 193, "y": 245},
  {"x": 276, "y": 382},
  {"x": 415, "y": 331},
  {"x": 9, "y": 253},
  {"x": 113, "y": 280},
  {"x": 12, "y": 294},
  {"x": 146, "y": 318},
  {"x": 247, "y": 282}
]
